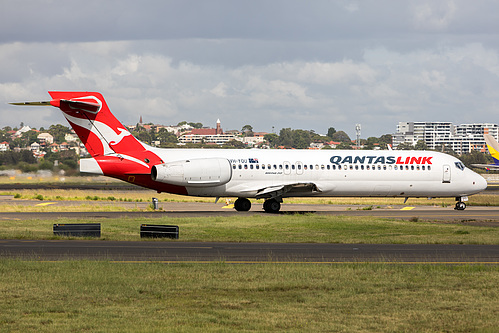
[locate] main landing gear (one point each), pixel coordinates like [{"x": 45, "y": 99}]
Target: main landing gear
[
  {"x": 242, "y": 205},
  {"x": 269, "y": 206},
  {"x": 459, "y": 204}
]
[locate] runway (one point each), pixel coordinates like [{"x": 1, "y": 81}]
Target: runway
[{"x": 193, "y": 252}]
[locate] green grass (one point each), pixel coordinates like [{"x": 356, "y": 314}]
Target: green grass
[
  {"x": 78, "y": 296},
  {"x": 271, "y": 228}
]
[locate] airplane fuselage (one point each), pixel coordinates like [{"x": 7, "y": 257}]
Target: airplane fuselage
[{"x": 325, "y": 173}]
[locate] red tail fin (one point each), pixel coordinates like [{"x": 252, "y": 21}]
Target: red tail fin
[
  {"x": 93, "y": 122},
  {"x": 116, "y": 151}
]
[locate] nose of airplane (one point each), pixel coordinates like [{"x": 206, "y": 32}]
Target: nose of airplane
[{"x": 480, "y": 182}]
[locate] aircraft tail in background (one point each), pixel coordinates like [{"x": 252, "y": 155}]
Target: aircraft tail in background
[{"x": 493, "y": 148}]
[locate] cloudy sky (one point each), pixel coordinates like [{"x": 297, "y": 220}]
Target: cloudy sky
[{"x": 271, "y": 63}]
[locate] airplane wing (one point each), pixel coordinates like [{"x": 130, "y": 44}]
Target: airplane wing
[
  {"x": 275, "y": 191},
  {"x": 489, "y": 167}
]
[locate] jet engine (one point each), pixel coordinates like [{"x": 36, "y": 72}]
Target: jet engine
[{"x": 202, "y": 172}]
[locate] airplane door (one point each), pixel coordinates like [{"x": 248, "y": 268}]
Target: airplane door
[
  {"x": 287, "y": 168},
  {"x": 446, "y": 174},
  {"x": 299, "y": 168}
]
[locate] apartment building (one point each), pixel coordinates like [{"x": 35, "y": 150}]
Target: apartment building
[{"x": 461, "y": 139}]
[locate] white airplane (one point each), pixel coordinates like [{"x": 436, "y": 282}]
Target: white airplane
[
  {"x": 493, "y": 148},
  {"x": 263, "y": 174}
]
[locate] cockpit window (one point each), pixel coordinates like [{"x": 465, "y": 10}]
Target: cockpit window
[{"x": 459, "y": 165}]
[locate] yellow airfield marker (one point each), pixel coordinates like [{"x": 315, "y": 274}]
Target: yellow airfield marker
[
  {"x": 45, "y": 204},
  {"x": 229, "y": 206},
  {"x": 408, "y": 208}
]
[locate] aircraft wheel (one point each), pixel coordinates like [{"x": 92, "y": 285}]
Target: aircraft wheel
[
  {"x": 271, "y": 206},
  {"x": 242, "y": 205},
  {"x": 460, "y": 205}
]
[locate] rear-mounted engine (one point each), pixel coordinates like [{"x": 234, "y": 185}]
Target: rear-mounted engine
[{"x": 201, "y": 172}]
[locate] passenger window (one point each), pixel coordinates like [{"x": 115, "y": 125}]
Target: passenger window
[
  {"x": 322, "y": 167},
  {"x": 334, "y": 166},
  {"x": 407, "y": 167},
  {"x": 245, "y": 166},
  {"x": 293, "y": 167},
  {"x": 305, "y": 166},
  {"x": 251, "y": 166},
  {"x": 384, "y": 167},
  {"x": 429, "y": 167},
  {"x": 412, "y": 167},
  {"x": 311, "y": 167},
  {"x": 389, "y": 167},
  {"x": 379, "y": 167},
  {"x": 240, "y": 166},
  {"x": 287, "y": 166},
  {"x": 280, "y": 166},
  {"x": 351, "y": 167},
  {"x": 395, "y": 167},
  {"x": 422, "y": 167},
  {"x": 367, "y": 167},
  {"x": 257, "y": 166},
  {"x": 275, "y": 166},
  {"x": 263, "y": 166},
  {"x": 317, "y": 167},
  {"x": 234, "y": 166},
  {"x": 356, "y": 167},
  {"x": 269, "y": 166},
  {"x": 345, "y": 167},
  {"x": 299, "y": 166},
  {"x": 417, "y": 167}
]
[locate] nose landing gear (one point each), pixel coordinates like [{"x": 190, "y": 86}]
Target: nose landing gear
[{"x": 460, "y": 205}]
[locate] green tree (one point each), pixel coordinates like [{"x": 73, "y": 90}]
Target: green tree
[
  {"x": 330, "y": 132},
  {"x": 341, "y": 136},
  {"x": 272, "y": 139},
  {"x": 301, "y": 139},
  {"x": 344, "y": 145},
  {"x": 286, "y": 137},
  {"x": 420, "y": 145},
  {"x": 196, "y": 125},
  {"x": 247, "y": 130},
  {"x": 235, "y": 144},
  {"x": 164, "y": 136},
  {"x": 475, "y": 157},
  {"x": 58, "y": 131},
  {"x": 405, "y": 146}
]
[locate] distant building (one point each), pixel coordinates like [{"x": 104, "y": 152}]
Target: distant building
[
  {"x": 45, "y": 138},
  {"x": 54, "y": 147},
  {"x": 206, "y": 135},
  {"x": 461, "y": 139},
  {"x": 71, "y": 137},
  {"x": 4, "y": 146},
  {"x": 35, "y": 146},
  {"x": 64, "y": 146},
  {"x": 21, "y": 131}
]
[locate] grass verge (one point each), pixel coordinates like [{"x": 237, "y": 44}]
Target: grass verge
[
  {"x": 149, "y": 297},
  {"x": 309, "y": 228},
  {"x": 146, "y": 196}
]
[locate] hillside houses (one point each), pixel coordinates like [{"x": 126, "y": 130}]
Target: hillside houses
[{"x": 40, "y": 142}]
